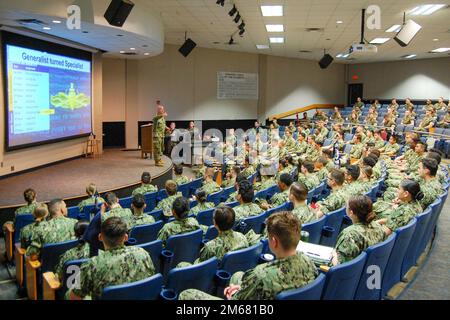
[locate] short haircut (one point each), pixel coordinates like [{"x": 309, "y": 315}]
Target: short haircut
[
  {"x": 369, "y": 161},
  {"x": 328, "y": 153},
  {"x": 113, "y": 230},
  {"x": 436, "y": 156},
  {"x": 138, "y": 201},
  {"x": 323, "y": 160},
  {"x": 367, "y": 171},
  {"x": 178, "y": 168},
  {"x": 309, "y": 166},
  {"x": 181, "y": 207},
  {"x": 338, "y": 176},
  {"x": 171, "y": 187},
  {"x": 361, "y": 206},
  {"x": 224, "y": 217},
  {"x": 236, "y": 170},
  {"x": 394, "y": 137},
  {"x": 423, "y": 144},
  {"x": 286, "y": 179},
  {"x": 358, "y": 136},
  {"x": 40, "y": 211},
  {"x": 110, "y": 198},
  {"x": 430, "y": 164},
  {"x": 286, "y": 227},
  {"x": 299, "y": 191},
  {"x": 29, "y": 195},
  {"x": 353, "y": 171},
  {"x": 146, "y": 178},
  {"x": 200, "y": 195},
  {"x": 246, "y": 191},
  {"x": 80, "y": 227},
  {"x": 375, "y": 152},
  {"x": 240, "y": 177},
  {"x": 54, "y": 206}
]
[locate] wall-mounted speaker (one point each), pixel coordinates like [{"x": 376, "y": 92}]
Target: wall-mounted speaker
[
  {"x": 407, "y": 33},
  {"x": 118, "y": 12},
  {"x": 325, "y": 61},
  {"x": 187, "y": 47}
]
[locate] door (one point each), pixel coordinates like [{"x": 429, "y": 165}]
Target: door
[{"x": 355, "y": 90}]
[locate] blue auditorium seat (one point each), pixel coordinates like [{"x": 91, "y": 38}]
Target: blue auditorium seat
[
  {"x": 195, "y": 184},
  {"x": 427, "y": 235},
  {"x": 314, "y": 229},
  {"x": 254, "y": 223},
  {"x": 162, "y": 194},
  {"x": 226, "y": 193},
  {"x": 377, "y": 255},
  {"x": 184, "y": 247},
  {"x": 334, "y": 221},
  {"x": 154, "y": 249},
  {"x": 211, "y": 233},
  {"x": 51, "y": 252},
  {"x": 22, "y": 220},
  {"x": 214, "y": 197},
  {"x": 67, "y": 273},
  {"x": 146, "y": 289},
  {"x": 150, "y": 200},
  {"x": 146, "y": 233},
  {"x": 126, "y": 202},
  {"x": 241, "y": 260},
  {"x": 205, "y": 217},
  {"x": 157, "y": 214},
  {"x": 394, "y": 265},
  {"x": 342, "y": 280},
  {"x": 312, "y": 291},
  {"x": 184, "y": 189},
  {"x": 73, "y": 212},
  {"x": 262, "y": 194}
]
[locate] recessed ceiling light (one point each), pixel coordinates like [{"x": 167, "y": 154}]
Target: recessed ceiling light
[
  {"x": 339, "y": 55},
  {"x": 440, "y": 50},
  {"x": 276, "y": 40},
  {"x": 342, "y": 55},
  {"x": 146, "y": 54},
  {"x": 272, "y": 11},
  {"x": 262, "y": 46},
  {"x": 426, "y": 9},
  {"x": 436, "y": 39},
  {"x": 275, "y": 28},
  {"x": 132, "y": 49},
  {"x": 409, "y": 56},
  {"x": 56, "y": 21},
  {"x": 339, "y": 21},
  {"x": 380, "y": 40},
  {"x": 346, "y": 55},
  {"x": 85, "y": 31},
  {"x": 394, "y": 28},
  {"x": 120, "y": 35},
  {"x": 47, "y": 28},
  {"x": 122, "y": 51}
]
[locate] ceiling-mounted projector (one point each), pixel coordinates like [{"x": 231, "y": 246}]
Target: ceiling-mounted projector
[{"x": 362, "y": 50}]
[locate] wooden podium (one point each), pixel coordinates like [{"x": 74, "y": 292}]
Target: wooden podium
[{"x": 147, "y": 140}]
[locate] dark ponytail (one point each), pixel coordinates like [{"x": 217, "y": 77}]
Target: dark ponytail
[
  {"x": 361, "y": 206},
  {"x": 413, "y": 188}
]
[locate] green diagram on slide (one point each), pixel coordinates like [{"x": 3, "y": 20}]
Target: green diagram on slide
[{"x": 71, "y": 100}]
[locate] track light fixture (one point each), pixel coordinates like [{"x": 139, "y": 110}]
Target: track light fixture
[
  {"x": 237, "y": 18},
  {"x": 233, "y": 11},
  {"x": 231, "y": 41},
  {"x": 241, "y": 32},
  {"x": 242, "y": 25},
  {"x": 221, "y": 2}
]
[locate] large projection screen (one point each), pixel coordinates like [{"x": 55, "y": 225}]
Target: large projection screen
[{"x": 47, "y": 89}]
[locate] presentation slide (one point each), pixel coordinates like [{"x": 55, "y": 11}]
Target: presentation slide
[{"x": 49, "y": 97}]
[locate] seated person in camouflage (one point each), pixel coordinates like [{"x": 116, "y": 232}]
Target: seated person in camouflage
[
  {"x": 30, "y": 197},
  {"x": 379, "y": 142},
  {"x": 357, "y": 148},
  {"x": 429, "y": 183},
  {"x": 337, "y": 198},
  {"x": 307, "y": 175},
  {"x": 115, "y": 209},
  {"x": 209, "y": 185},
  {"x": 146, "y": 186},
  {"x": 166, "y": 204},
  {"x": 445, "y": 122},
  {"x": 139, "y": 217},
  {"x": 246, "y": 207},
  {"x": 230, "y": 177},
  {"x": 365, "y": 178},
  {"x": 58, "y": 229},
  {"x": 436, "y": 155},
  {"x": 427, "y": 122},
  {"x": 81, "y": 251},
  {"x": 249, "y": 168},
  {"x": 290, "y": 269},
  {"x": 321, "y": 168},
  {"x": 284, "y": 183},
  {"x": 391, "y": 149},
  {"x": 353, "y": 185},
  {"x": 363, "y": 233},
  {"x": 200, "y": 196},
  {"x": 233, "y": 196},
  {"x": 118, "y": 264},
  {"x": 182, "y": 223},
  {"x": 267, "y": 180},
  {"x": 178, "y": 174},
  {"x": 297, "y": 195},
  {"x": 40, "y": 213},
  {"x": 283, "y": 168},
  {"x": 93, "y": 197},
  {"x": 402, "y": 209}
]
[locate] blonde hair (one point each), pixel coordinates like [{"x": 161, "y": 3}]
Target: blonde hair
[
  {"x": 41, "y": 211},
  {"x": 91, "y": 189}
]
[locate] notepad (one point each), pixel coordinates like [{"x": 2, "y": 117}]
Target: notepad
[{"x": 319, "y": 254}]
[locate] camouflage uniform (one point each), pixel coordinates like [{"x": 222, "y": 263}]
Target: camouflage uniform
[
  {"x": 356, "y": 151},
  {"x": 310, "y": 181},
  {"x": 28, "y": 209},
  {"x": 201, "y": 207},
  {"x": 123, "y": 213},
  {"x": 52, "y": 231},
  {"x": 113, "y": 267},
  {"x": 247, "y": 172},
  {"x": 177, "y": 227},
  {"x": 302, "y": 147},
  {"x": 402, "y": 214},
  {"x": 228, "y": 183},
  {"x": 266, "y": 280},
  {"x": 140, "y": 219},
  {"x": 199, "y": 171},
  {"x": 181, "y": 179},
  {"x": 379, "y": 143},
  {"x": 266, "y": 183},
  {"x": 89, "y": 201},
  {"x": 354, "y": 188},
  {"x": 336, "y": 117},
  {"x": 225, "y": 242},
  {"x": 334, "y": 201},
  {"x": 159, "y": 129},
  {"x": 290, "y": 145},
  {"x": 81, "y": 251},
  {"x": 426, "y": 121},
  {"x": 232, "y": 197},
  {"x": 322, "y": 174},
  {"x": 445, "y": 122},
  {"x": 357, "y": 238},
  {"x": 210, "y": 187},
  {"x": 431, "y": 189},
  {"x": 166, "y": 204},
  {"x": 279, "y": 198},
  {"x": 145, "y": 188},
  {"x": 246, "y": 210},
  {"x": 392, "y": 148},
  {"x": 26, "y": 232},
  {"x": 408, "y": 119},
  {"x": 305, "y": 214}
]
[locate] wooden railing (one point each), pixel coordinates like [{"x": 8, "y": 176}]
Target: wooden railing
[{"x": 305, "y": 109}]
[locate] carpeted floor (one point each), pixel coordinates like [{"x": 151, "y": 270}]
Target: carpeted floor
[{"x": 107, "y": 172}]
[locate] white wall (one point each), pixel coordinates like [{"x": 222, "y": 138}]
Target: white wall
[{"x": 417, "y": 79}]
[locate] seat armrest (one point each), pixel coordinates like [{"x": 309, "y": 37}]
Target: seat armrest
[
  {"x": 9, "y": 236},
  {"x": 324, "y": 268},
  {"x": 50, "y": 283},
  {"x": 32, "y": 268},
  {"x": 19, "y": 255}
]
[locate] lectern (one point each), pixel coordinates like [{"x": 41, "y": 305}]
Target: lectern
[{"x": 147, "y": 140}]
